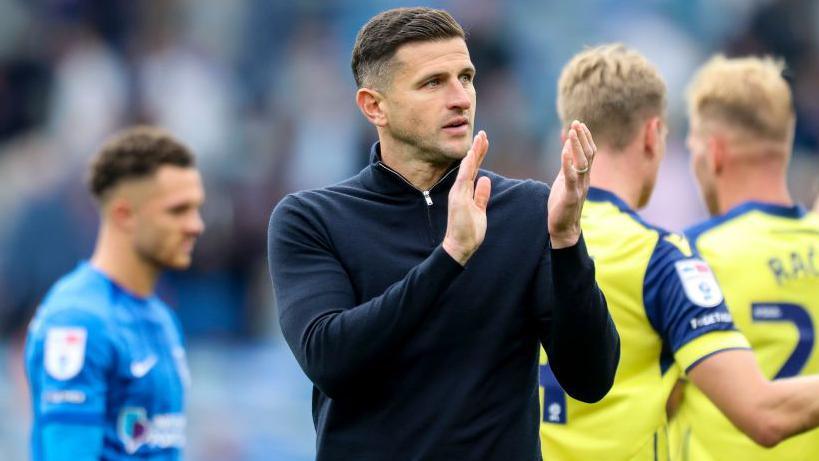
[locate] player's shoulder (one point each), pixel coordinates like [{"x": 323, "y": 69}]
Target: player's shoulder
[
  {"x": 694, "y": 232},
  {"x": 81, "y": 297},
  {"x": 672, "y": 251},
  {"x": 666, "y": 240},
  {"x": 167, "y": 313},
  {"x": 606, "y": 206},
  {"x": 673, "y": 254},
  {"x": 674, "y": 263},
  {"x": 672, "y": 246},
  {"x": 748, "y": 215}
]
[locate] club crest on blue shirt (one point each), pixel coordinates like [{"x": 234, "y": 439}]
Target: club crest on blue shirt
[
  {"x": 132, "y": 428},
  {"x": 699, "y": 283},
  {"x": 135, "y": 429},
  {"x": 64, "y": 352}
]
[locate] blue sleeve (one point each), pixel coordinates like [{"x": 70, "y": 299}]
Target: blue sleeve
[
  {"x": 71, "y": 382},
  {"x": 682, "y": 298},
  {"x": 334, "y": 339},
  {"x": 71, "y": 442}
]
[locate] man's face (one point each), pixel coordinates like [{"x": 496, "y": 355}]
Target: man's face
[
  {"x": 166, "y": 219},
  {"x": 697, "y": 142},
  {"x": 430, "y": 101}
]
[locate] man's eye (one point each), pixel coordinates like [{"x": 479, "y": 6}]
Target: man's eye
[
  {"x": 433, "y": 83},
  {"x": 466, "y": 78},
  {"x": 178, "y": 210}
]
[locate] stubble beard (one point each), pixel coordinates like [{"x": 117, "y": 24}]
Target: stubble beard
[
  {"x": 157, "y": 263},
  {"x": 428, "y": 151}
]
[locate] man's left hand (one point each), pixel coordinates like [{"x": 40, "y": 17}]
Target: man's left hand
[{"x": 571, "y": 186}]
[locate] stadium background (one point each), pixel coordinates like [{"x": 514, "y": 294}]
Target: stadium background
[{"x": 262, "y": 91}]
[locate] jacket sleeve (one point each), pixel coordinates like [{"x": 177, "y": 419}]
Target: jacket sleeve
[
  {"x": 334, "y": 339},
  {"x": 575, "y": 327}
]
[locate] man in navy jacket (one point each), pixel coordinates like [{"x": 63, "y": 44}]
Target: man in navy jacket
[{"x": 416, "y": 304}]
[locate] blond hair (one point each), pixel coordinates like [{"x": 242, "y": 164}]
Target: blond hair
[
  {"x": 747, "y": 93},
  {"x": 612, "y": 89}
]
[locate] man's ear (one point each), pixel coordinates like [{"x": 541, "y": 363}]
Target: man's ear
[
  {"x": 652, "y": 137},
  {"x": 120, "y": 212},
  {"x": 717, "y": 152},
  {"x": 371, "y": 104}
]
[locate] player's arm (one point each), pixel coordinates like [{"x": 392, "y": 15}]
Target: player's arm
[
  {"x": 721, "y": 364},
  {"x": 767, "y": 411},
  {"x": 684, "y": 304},
  {"x": 72, "y": 442},
  {"x": 72, "y": 378}
]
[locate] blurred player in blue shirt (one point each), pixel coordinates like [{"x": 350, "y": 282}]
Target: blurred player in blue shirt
[{"x": 104, "y": 356}]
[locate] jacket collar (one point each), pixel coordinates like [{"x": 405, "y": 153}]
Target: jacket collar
[{"x": 378, "y": 177}]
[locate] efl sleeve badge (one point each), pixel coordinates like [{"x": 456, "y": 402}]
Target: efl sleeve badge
[
  {"x": 65, "y": 352},
  {"x": 699, "y": 283}
]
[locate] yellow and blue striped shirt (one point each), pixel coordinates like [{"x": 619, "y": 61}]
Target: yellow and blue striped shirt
[
  {"x": 670, "y": 314},
  {"x": 766, "y": 258}
]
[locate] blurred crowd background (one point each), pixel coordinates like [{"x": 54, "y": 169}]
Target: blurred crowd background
[{"x": 262, "y": 91}]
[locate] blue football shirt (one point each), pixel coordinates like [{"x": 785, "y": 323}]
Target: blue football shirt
[{"x": 107, "y": 371}]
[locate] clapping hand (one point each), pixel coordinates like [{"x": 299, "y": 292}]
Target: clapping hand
[
  {"x": 571, "y": 186},
  {"x": 466, "y": 221}
]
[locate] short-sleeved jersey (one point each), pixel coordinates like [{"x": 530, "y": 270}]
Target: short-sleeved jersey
[
  {"x": 98, "y": 356},
  {"x": 670, "y": 314},
  {"x": 766, "y": 258}
]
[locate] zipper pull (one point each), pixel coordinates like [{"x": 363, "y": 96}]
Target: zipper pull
[{"x": 427, "y": 197}]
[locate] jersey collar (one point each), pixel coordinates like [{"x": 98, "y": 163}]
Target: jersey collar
[
  {"x": 86, "y": 265},
  {"x": 597, "y": 194},
  {"x": 793, "y": 211}
]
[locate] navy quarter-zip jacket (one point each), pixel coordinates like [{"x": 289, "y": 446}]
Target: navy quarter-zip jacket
[{"x": 414, "y": 357}]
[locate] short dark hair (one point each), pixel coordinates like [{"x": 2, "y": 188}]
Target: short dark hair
[
  {"x": 381, "y": 37},
  {"x": 135, "y": 153}
]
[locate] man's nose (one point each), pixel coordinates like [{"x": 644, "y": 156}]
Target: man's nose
[
  {"x": 458, "y": 96},
  {"x": 196, "y": 225}
]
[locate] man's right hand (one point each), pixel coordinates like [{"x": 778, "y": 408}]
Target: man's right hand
[{"x": 466, "y": 221}]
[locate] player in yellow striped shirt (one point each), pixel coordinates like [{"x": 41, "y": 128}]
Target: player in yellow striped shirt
[
  {"x": 765, "y": 253},
  {"x": 665, "y": 302}
]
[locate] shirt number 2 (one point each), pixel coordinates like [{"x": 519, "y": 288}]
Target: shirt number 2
[{"x": 800, "y": 317}]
